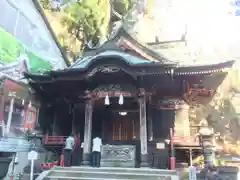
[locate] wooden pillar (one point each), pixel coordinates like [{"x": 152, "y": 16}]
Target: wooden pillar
[
  {"x": 55, "y": 124},
  {"x": 143, "y": 130},
  {"x": 87, "y": 132},
  {"x": 149, "y": 122},
  {"x": 71, "y": 111},
  {"x": 2, "y": 123},
  {"x": 10, "y": 111}
]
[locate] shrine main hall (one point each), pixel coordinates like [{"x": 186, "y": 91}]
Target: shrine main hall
[{"x": 130, "y": 102}]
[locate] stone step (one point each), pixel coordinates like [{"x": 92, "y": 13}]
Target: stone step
[
  {"x": 106, "y": 175},
  {"x": 83, "y": 178},
  {"x": 103, "y": 173},
  {"x": 116, "y": 169},
  {"x": 77, "y": 178}
]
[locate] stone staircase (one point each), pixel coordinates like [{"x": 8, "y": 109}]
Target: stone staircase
[{"x": 108, "y": 173}]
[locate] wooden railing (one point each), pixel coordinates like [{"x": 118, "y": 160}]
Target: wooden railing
[
  {"x": 54, "y": 140},
  {"x": 186, "y": 140},
  {"x": 202, "y": 91}
]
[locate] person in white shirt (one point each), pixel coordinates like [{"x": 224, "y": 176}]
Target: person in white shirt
[
  {"x": 96, "y": 151},
  {"x": 69, "y": 144}
]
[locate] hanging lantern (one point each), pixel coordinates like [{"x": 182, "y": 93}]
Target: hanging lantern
[
  {"x": 172, "y": 73},
  {"x": 120, "y": 101},
  {"x": 30, "y": 104},
  {"x": 107, "y": 101},
  {"x": 23, "y": 102},
  {"x": 123, "y": 113}
]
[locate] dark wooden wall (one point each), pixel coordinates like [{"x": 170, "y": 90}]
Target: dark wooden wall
[{"x": 162, "y": 121}]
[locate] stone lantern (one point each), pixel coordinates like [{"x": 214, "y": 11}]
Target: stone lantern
[{"x": 206, "y": 139}]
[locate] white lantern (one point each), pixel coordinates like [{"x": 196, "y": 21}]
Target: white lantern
[
  {"x": 120, "y": 101},
  {"x": 107, "y": 101}
]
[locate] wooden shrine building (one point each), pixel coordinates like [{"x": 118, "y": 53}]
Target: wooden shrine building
[{"x": 129, "y": 101}]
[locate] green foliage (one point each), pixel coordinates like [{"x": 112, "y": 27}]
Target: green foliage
[
  {"x": 87, "y": 19},
  {"x": 46, "y": 4},
  {"x": 121, "y": 6},
  {"x": 218, "y": 162},
  {"x": 10, "y": 48}
]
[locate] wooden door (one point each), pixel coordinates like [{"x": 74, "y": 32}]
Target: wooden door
[{"x": 125, "y": 127}]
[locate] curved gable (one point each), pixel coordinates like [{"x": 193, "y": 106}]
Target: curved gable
[{"x": 124, "y": 57}]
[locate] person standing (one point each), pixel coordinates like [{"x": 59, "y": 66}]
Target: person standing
[
  {"x": 96, "y": 151},
  {"x": 76, "y": 157},
  {"x": 69, "y": 144}
]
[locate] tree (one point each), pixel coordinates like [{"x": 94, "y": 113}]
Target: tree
[
  {"x": 87, "y": 20},
  {"x": 121, "y": 6},
  {"x": 46, "y": 4}
]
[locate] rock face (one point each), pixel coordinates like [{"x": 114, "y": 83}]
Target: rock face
[
  {"x": 222, "y": 111},
  {"x": 235, "y": 100}
]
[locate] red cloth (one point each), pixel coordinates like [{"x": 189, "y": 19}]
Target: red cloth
[
  {"x": 77, "y": 143},
  {"x": 62, "y": 160}
]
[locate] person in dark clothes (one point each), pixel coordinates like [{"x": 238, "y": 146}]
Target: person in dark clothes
[
  {"x": 76, "y": 158},
  {"x": 96, "y": 151},
  {"x": 69, "y": 144}
]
